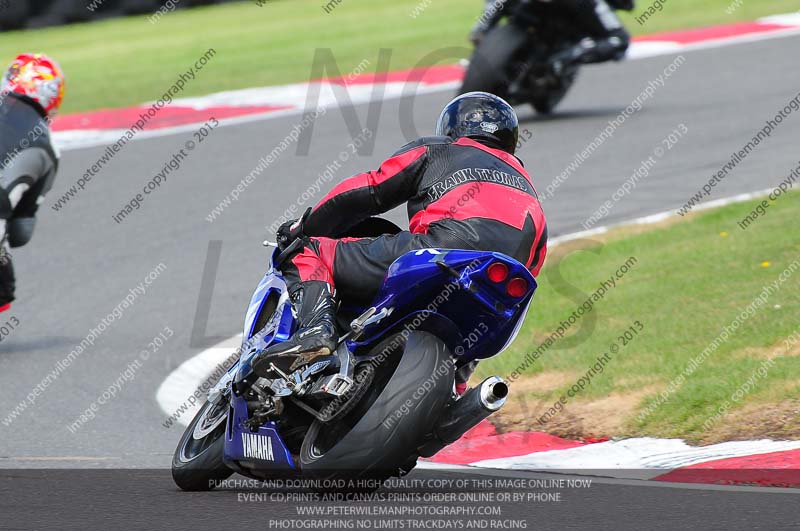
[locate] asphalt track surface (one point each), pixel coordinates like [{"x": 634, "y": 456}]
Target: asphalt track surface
[
  {"x": 81, "y": 264},
  {"x": 144, "y": 499}
]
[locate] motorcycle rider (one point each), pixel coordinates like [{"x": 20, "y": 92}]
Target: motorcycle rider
[
  {"x": 606, "y": 37},
  {"x": 473, "y": 150},
  {"x": 31, "y": 92}
]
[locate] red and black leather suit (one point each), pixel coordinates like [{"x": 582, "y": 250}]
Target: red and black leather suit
[{"x": 461, "y": 194}]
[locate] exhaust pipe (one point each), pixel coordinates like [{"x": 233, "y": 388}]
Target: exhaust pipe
[{"x": 477, "y": 404}]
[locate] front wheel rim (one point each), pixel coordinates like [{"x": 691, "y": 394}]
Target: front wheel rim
[{"x": 205, "y": 432}]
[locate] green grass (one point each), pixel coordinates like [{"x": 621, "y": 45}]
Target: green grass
[
  {"x": 691, "y": 279},
  {"x": 121, "y": 62}
]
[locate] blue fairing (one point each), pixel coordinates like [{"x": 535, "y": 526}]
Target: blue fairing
[
  {"x": 263, "y": 448},
  {"x": 476, "y": 317},
  {"x": 446, "y": 292},
  {"x": 278, "y": 329}
]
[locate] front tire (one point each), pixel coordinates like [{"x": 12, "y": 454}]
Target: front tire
[{"x": 197, "y": 464}]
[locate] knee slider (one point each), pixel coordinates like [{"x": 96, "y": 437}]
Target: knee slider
[{"x": 20, "y": 231}]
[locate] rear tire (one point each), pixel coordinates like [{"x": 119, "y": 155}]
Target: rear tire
[
  {"x": 382, "y": 439},
  {"x": 491, "y": 67},
  {"x": 197, "y": 464}
]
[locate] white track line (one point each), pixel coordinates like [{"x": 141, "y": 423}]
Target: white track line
[
  {"x": 582, "y": 474},
  {"x": 83, "y": 139},
  {"x": 647, "y": 457},
  {"x": 175, "y": 390},
  {"x": 658, "y": 217}
]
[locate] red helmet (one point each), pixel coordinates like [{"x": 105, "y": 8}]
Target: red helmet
[{"x": 39, "y": 78}]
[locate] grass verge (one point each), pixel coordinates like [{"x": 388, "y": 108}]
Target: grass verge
[
  {"x": 677, "y": 374},
  {"x": 127, "y": 61}
]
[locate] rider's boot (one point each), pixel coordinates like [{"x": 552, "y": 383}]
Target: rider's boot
[
  {"x": 7, "y": 282},
  {"x": 316, "y": 337},
  {"x": 591, "y": 50}
]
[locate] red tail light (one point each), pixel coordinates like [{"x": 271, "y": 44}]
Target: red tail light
[
  {"x": 497, "y": 272},
  {"x": 517, "y": 287}
]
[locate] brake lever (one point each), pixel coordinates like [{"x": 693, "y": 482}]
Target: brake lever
[
  {"x": 294, "y": 246},
  {"x": 296, "y": 242}
]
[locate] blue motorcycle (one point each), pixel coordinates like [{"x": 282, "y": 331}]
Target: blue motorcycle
[{"x": 387, "y": 395}]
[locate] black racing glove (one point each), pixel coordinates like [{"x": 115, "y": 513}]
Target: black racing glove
[
  {"x": 290, "y": 231},
  {"x": 286, "y": 234}
]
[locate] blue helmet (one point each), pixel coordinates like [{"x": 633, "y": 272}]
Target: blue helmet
[{"x": 481, "y": 116}]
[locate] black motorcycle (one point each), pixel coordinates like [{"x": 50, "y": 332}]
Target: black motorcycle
[{"x": 515, "y": 60}]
